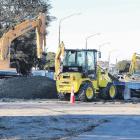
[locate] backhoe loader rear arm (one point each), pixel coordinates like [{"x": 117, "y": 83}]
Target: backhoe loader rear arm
[{"x": 58, "y": 59}]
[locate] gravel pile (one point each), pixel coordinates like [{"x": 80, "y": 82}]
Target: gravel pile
[{"x": 28, "y": 88}]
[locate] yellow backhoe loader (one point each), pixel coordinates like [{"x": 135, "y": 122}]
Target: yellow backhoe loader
[
  {"x": 20, "y": 29},
  {"x": 79, "y": 68}
]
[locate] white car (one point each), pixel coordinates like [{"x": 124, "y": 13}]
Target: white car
[{"x": 120, "y": 77}]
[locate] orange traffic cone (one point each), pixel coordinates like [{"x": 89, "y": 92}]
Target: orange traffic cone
[{"x": 72, "y": 97}]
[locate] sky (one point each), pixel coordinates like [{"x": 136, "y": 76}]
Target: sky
[{"x": 117, "y": 21}]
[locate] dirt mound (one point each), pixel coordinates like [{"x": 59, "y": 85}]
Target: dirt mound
[{"x": 28, "y": 87}]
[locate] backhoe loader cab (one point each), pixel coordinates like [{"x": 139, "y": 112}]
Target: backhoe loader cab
[{"x": 82, "y": 61}]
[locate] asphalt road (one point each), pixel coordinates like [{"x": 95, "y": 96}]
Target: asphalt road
[
  {"x": 118, "y": 127},
  {"x": 79, "y": 121}
]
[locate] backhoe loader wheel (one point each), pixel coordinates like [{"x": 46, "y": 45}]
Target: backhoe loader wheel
[
  {"x": 112, "y": 91},
  {"x": 86, "y": 92}
]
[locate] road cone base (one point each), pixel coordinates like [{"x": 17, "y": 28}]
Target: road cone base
[{"x": 72, "y": 99}]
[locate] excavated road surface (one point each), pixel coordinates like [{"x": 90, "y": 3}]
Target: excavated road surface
[{"x": 57, "y": 120}]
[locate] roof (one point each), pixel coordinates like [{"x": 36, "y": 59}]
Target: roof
[{"x": 81, "y": 50}]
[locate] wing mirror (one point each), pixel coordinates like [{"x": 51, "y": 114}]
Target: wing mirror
[{"x": 99, "y": 54}]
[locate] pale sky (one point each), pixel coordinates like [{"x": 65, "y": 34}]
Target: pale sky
[{"x": 118, "y": 21}]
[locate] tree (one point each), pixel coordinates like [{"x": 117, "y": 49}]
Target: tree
[
  {"x": 50, "y": 60},
  {"x": 15, "y": 11},
  {"x": 123, "y": 66}
]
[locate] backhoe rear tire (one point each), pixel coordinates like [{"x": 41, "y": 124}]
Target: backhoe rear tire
[
  {"x": 86, "y": 92},
  {"x": 112, "y": 91}
]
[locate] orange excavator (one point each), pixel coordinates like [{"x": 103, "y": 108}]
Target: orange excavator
[{"x": 20, "y": 29}]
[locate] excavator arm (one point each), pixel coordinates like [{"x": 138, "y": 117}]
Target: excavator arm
[
  {"x": 20, "y": 29},
  {"x": 135, "y": 64}
]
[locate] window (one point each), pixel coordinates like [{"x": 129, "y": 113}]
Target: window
[
  {"x": 74, "y": 58},
  {"x": 69, "y": 58},
  {"x": 91, "y": 60},
  {"x": 81, "y": 58}
]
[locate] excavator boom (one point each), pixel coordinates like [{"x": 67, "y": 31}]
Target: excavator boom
[{"x": 21, "y": 29}]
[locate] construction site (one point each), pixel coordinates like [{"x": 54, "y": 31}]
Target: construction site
[{"x": 52, "y": 87}]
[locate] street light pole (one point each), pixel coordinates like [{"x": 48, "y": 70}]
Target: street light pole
[
  {"x": 106, "y": 43},
  {"x": 109, "y": 55},
  {"x": 60, "y": 22},
  {"x": 59, "y": 33},
  {"x": 90, "y": 37}
]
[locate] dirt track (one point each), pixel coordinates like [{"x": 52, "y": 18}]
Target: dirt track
[{"x": 55, "y": 107}]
